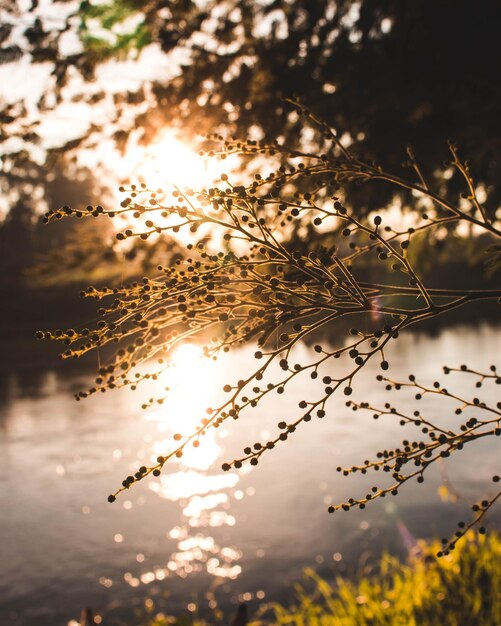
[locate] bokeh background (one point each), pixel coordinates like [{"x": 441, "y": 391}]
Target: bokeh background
[{"x": 94, "y": 94}]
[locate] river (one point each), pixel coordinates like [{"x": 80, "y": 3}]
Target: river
[{"x": 197, "y": 538}]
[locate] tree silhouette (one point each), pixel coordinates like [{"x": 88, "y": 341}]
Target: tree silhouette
[{"x": 386, "y": 73}]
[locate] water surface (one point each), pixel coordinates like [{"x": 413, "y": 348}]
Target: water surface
[{"x": 198, "y": 536}]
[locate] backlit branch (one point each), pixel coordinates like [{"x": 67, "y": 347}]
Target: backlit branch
[{"x": 258, "y": 271}]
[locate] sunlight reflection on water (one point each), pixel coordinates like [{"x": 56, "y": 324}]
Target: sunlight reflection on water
[
  {"x": 191, "y": 385},
  {"x": 239, "y": 533},
  {"x": 181, "y": 412}
]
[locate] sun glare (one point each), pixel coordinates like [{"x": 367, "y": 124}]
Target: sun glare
[
  {"x": 191, "y": 388},
  {"x": 195, "y": 480},
  {"x": 170, "y": 161},
  {"x": 165, "y": 162},
  {"x": 191, "y": 383}
]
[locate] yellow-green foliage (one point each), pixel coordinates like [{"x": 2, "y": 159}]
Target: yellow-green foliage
[
  {"x": 461, "y": 589},
  {"x": 99, "y": 23}
]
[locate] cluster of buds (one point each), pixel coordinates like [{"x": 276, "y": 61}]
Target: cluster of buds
[{"x": 275, "y": 262}]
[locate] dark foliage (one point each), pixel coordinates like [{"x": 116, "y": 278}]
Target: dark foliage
[{"x": 386, "y": 72}]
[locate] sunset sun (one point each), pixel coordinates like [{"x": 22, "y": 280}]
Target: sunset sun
[{"x": 170, "y": 161}]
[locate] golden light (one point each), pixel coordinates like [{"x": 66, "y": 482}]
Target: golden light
[
  {"x": 195, "y": 480},
  {"x": 190, "y": 380},
  {"x": 193, "y": 381},
  {"x": 192, "y": 389},
  {"x": 166, "y": 162},
  {"x": 169, "y": 161}
]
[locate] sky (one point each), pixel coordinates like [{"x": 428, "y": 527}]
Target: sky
[{"x": 24, "y": 82}]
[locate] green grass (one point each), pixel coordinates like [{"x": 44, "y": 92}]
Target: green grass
[{"x": 462, "y": 589}]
